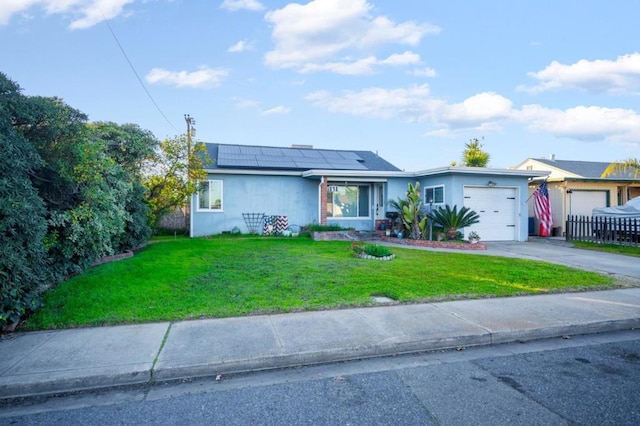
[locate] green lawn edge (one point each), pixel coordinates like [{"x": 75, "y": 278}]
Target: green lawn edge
[{"x": 182, "y": 279}]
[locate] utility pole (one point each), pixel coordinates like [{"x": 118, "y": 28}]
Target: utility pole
[{"x": 191, "y": 131}]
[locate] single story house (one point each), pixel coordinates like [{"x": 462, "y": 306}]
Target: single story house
[
  {"x": 577, "y": 187},
  {"x": 347, "y": 188}
]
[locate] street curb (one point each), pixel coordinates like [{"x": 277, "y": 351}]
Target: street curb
[
  {"x": 389, "y": 349},
  {"x": 278, "y": 361}
]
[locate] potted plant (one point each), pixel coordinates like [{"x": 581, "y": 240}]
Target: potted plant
[{"x": 473, "y": 237}]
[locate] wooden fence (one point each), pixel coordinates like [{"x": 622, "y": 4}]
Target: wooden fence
[{"x": 600, "y": 229}]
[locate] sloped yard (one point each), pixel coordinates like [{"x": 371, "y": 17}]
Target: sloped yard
[{"x": 200, "y": 278}]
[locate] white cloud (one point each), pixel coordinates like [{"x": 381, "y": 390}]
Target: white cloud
[
  {"x": 204, "y": 77},
  {"x": 411, "y": 104},
  {"x": 361, "y": 66},
  {"x": 481, "y": 108},
  {"x": 10, "y": 7},
  {"x": 86, "y": 13},
  {"x": 241, "y": 46},
  {"x": 234, "y": 5},
  {"x": 243, "y": 103},
  {"x": 484, "y": 112},
  {"x": 590, "y": 123},
  {"x": 318, "y": 36},
  {"x": 424, "y": 72},
  {"x": 400, "y": 59},
  {"x": 279, "y": 110},
  {"x": 415, "y": 103},
  {"x": 98, "y": 11},
  {"x": 619, "y": 76}
]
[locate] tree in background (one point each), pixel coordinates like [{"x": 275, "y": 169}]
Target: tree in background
[
  {"x": 473, "y": 155},
  {"x": 630, "y": 166},
  {"x": 173, "y": 176}
]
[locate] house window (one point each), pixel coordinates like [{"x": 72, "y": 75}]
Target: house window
[
  {"x": 434, "y": 194},
  {"x": 210, "y": 195},
  {"x": 348, "y": 201}
]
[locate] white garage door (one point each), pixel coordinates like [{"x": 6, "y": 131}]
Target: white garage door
[
  {"x": 583, "y": 202},
  {"x": 497, "y": 210}
]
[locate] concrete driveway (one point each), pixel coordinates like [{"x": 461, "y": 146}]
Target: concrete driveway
[
  {"x": 557, "y": 250},
  {"x": 562, "y": 253}
]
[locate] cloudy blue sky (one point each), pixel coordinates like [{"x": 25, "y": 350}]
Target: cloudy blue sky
[{"x": 413, "y": 79}]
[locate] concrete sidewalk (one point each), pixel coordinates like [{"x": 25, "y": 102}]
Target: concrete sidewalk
[{"x": 68, "y": 360}]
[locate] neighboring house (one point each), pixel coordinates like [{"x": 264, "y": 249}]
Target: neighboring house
[
  {"x": 576, "y": 187},
  {"x": 348, "y": 188}
]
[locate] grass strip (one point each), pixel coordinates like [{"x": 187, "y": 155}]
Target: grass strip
[{"x": 182, "y": 279}]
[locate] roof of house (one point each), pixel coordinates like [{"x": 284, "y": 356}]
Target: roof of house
[
  {"x": 295, "y": 158},
  {"x": 585, "y": 169}
]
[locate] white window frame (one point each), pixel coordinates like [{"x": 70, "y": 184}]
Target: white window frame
[
  {"x": 369, "y": 190},
  {"x": 214, "y": 210},
  {"x": 433, "y": 188}
]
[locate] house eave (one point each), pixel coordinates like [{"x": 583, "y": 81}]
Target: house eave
[
  {"x": 482, "y": 171},
  {"x": 363, "y": 174},
  {"x": 221, "y": 171},
  {"x": 595, "y": 180}
]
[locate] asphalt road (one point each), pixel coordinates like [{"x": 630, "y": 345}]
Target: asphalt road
[{"x": 586, "y": 380}]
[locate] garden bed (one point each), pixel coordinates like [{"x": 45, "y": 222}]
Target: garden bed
[{"x": 435, "y": 244}]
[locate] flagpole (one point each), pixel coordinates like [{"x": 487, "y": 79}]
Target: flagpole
[{"x": 534, "y": 191}]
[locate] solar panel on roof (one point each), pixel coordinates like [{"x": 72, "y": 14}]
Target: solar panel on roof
[
  {"x": 250, "y": 150},
  {"x": 287, "y": 158},
  {"x": 229, "y": 149},
  {"x": 280, "y": 164},
  {"x": 351, "y": 165},
  {"x": 242, "y": 163},
  {"x": 350, "y": 155},
  {"x": 330, "y": 155},
  {"x": 308, "y": 164},
  {"x": 309, "y": 153},
  {"x": 294, "y": 153}
]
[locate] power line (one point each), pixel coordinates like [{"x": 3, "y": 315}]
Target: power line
[{"x": 134, "y": 69}]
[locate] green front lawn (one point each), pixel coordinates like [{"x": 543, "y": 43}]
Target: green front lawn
[
  {"x": 201, "y": 278},
  {"x": 627, "y": 250}
]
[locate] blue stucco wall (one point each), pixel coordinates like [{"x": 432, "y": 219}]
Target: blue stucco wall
[
  {"x": 454, "y": 191},
  {"x": 290, "y": 196},
  {"x": 297, "y": 198}
]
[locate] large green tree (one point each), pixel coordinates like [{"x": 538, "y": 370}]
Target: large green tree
[
  {"x": 24, "y": 261},
  {"x": 173, "y": 175},
  {"x": 130, "y": 147},
  {"x": 70, "y": 193}
]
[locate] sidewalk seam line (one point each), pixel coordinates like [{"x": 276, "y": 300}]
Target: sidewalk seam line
[
  {"x": 488, "y": 331},
  {"x": 28, "y": 354},
  {"x": 275, "y": 332},
  {"x": 155, "y": 359}
]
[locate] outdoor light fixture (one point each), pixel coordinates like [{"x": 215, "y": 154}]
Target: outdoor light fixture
[{"x": 491, "y": 183}]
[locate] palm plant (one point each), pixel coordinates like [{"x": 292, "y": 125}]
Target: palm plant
[
  {"x": 410, "y": 211},
  {"x": 451, "y": 219},
  {"x": 629, "y": 166}
]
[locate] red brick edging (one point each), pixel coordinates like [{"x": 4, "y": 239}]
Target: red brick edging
[
  {"x": 354, "y": 235},
  {"x": 435, "y": 244}
]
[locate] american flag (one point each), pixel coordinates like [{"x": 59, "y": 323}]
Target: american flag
[{"x": 542, "y": 208}]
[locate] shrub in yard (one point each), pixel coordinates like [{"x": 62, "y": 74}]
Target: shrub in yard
[
  {"x": 376, "y": 250},
  {"x": 451, "y": 219}
]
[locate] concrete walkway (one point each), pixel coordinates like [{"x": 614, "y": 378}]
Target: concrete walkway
[{"x": 67, "y": 360}]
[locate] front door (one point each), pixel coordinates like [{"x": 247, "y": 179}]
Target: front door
[{"x": 379, "y": 207}]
